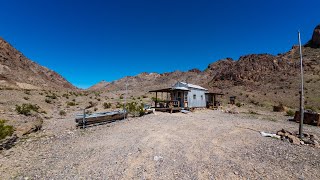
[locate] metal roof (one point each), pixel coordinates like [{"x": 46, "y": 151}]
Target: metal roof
[{"x": 193, "y": 86}]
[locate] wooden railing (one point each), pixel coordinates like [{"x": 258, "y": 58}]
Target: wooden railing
[{"x": 167, "y": 104}]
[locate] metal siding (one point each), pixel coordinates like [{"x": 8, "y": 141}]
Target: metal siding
[{"x": 196, "y": 102}]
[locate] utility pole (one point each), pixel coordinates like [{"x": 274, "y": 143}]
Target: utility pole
[
  {"x": 301, "y": 92},
  {"x": 125, "y": 100}
]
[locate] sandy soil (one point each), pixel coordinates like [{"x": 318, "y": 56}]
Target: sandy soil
[{"x": 201, "y": 145}]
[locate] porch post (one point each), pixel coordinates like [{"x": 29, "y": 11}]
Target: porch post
[{"x": 155, "y": 105}]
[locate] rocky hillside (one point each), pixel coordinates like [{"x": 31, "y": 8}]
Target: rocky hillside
[
  {"x": 17, "y": 71},
  {"x": 260, "y": 79},
  {"x": 99, "y": 86}
]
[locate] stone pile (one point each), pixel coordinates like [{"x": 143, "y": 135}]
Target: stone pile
[{"x": 308, "y": 139}]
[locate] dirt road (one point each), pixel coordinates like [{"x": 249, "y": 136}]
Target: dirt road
[{"x": 202, "y": 145}]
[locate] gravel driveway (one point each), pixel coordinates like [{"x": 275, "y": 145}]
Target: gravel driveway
[{"x": 201, "y": 145}]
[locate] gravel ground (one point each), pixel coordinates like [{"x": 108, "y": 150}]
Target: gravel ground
[{"x": 201, "y": 145}]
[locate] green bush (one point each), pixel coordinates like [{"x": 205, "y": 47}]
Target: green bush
[
  {"x": 95, "y": 109},
  {"x": 5, "y": 130},
  {"x": 107, "y": 105},
  {"x": 26, "y": 98},
  {"x": 71, "y": 103},
  {"x": 62, "y": 113},
  {"x": 238, "y": 104},
  {"x": 135, "y": 109},
  {"x": 27, "y": 109},
  {"x": 310, "y": 108},
  {"x": 290, "y": 112}
]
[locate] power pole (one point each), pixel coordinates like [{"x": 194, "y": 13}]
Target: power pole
[
  {"x": 125, "y": 100},
  {"x": 301, "y": 92}
]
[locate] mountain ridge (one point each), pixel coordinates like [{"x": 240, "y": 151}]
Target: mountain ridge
[{"x": 17, "y": 71}]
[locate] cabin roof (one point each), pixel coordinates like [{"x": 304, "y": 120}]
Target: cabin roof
[
  {"x": 193, "y": 86},
  {"x": 170, "y": 89}
]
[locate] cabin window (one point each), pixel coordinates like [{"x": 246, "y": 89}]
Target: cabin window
[
  {"x": 201, "y": 97},
  {"x": 194, "y": 96},
  {"x": 185, "y": 96}
]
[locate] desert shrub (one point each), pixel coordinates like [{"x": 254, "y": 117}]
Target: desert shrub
[
  {"x": 65, "y": 96},
  {"x": 71, "y": 103},
  {"x": 119, "y": 105},
  {"x": 26, "y": 98},
  {"x": 5, "y": 130},
  {"x": 95, "y": 109},
  {"x": 238, "y": 104},
  {"x": 27, "y": 109},
  {"x": 310, "y": 108},
  {"x": 279, "y": 108},
  {"x": 138, "y": 97},
  {"x": 252, "y": 112},
  {"x": 135, "y": 109},
  {"x": 73, "y": 100},
  {"x": 62, "y": 113},
  {"x": 47, "y": 100},
  {"x": 88, "y": 112},
  {"x": 98, "y": 99},
  {"x": 91, "y": 104},
  {"x": 121, "y": 96},
  {"x": 27, "y": 92},
  {"x": 106, "y": 105},
  {"x": 290, "y": 112},
  {"x": 52, "y": 96},
  {"x": 254, "y": 102},
  {"x": 144, "y": 96}
]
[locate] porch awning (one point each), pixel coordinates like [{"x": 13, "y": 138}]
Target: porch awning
[{"x": 171, "y": 89}]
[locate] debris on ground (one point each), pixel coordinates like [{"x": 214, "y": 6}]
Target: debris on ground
[
  {"x": 185, "y": 111},
  {"x": 308, "y": 139},
  {"x": 264, "y": 134},
  {"x": 157, "y": 158}
]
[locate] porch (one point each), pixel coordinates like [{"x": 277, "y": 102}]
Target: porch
[
  {"x": 212, "y": 100},
  {"x": 170, "y": 99}
]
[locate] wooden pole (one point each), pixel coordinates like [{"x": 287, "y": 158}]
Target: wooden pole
[
  {"x": 301, "y": 92},
  {"x": 84, "y": 119},
  {"x": 155, "y": 105}
]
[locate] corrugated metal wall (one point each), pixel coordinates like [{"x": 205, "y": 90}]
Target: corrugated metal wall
[{"x": 200, "y": 98}]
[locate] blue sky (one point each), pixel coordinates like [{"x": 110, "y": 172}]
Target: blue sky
[{"x": 90, "y": 41}]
